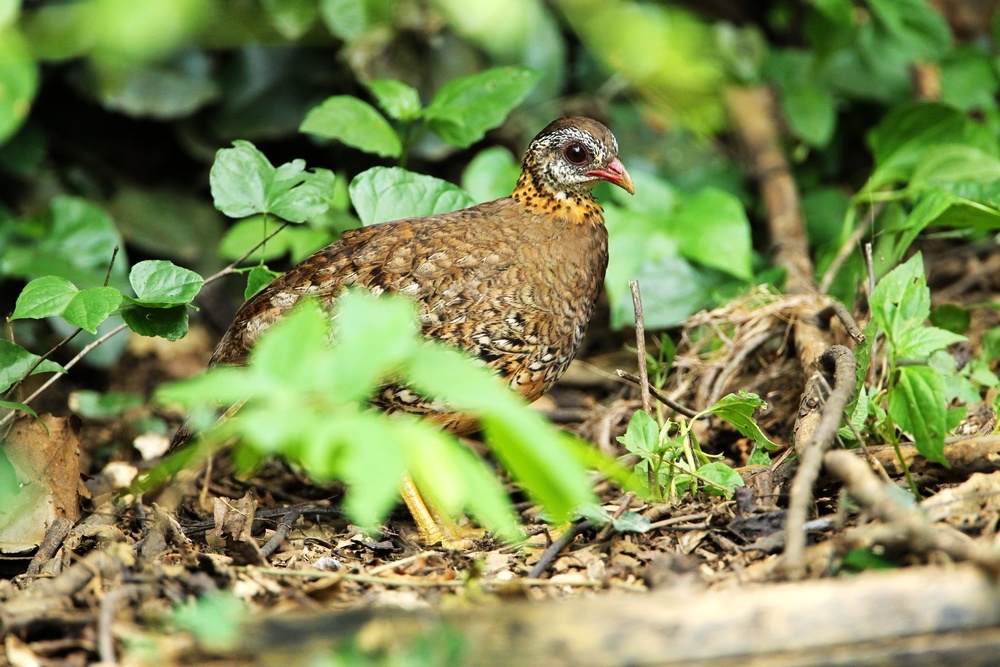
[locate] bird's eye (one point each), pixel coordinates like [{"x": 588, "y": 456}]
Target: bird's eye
[{"x": 576, "y": 153}]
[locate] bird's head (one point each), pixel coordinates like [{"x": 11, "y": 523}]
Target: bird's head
[{"x": 573, "y": 154}]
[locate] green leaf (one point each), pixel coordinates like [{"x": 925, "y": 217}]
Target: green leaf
[
  {"x": 642, "y": 436},
  {"x": 919, "y": 343},
  {"x": 721, "y": 474},
  {"x": 917, "y": 406},
  {"x": 901, "y": 140},
  {"x": 291, "y": 18},
  {"x": 901, "y": 301},
  {"x": 631, "y": 522},
  {"x": 355, "y": 123},
  {"x": 397, "y": 99},
  {"x": 18, "y": 80},
  {"x": 381, "y": 194},
  {"x": 738, "y": 409},
  {"x": 52, "y": 296},
  {"x": 492, "y": 174},
  {"x": 103, "y": 405},
  {"x": 244, "y": 182},
  {"x": 161, "y": 284},
  {"x": 77, "y": 243},
  {"x": 15, "y": 362},
  {"x": 258, "y": 278},
  {"x": 465, "y": 108},
  {"x": 217, "y": 620},
  {"x": 720, "y": 216},
  {"x": 14, "y": 405},
  {"x": 955, "y": 163},
  {"x": 165, "y": 322}
]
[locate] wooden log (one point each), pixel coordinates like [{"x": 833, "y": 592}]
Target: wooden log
[{"x": 915, "y": 616}]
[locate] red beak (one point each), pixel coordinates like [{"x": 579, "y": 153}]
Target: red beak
[{"x": 615, "y": 173}]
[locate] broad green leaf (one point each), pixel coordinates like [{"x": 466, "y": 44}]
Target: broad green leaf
[
  {"x": 363, "y": 323},
  {"x": 370, "y": 497},
  {"x": 15, "y": 362},
  {"x": 258, "y": 278},
  {"x": 291, "y": 18},
  {"x": 166, "y": 90},
  {"x": 917, "y": 406},
  {"x": 355, "y": 123},
  {"x": 955, "y": 163},
  {"x": 239, "y": 179},
  {"x": 217, "y": 619},
  {"x": 244, "y": 182},
  {"x": 812, "y": 113},
  {"x": 165, "y": 322},
  {"x": 52, "y": 296},
  {"x": 289, "y": 352},
  {"x": 297, "y": 195},
  {"x": 445, "y": 469},
  {"x": 738, "y": 409},
  {"x": 161, "y": 284},
  {"x": 901, "y": 300},
  {"x": 642, "y": 436},
  {"x": 351, "y": 19},
  {"x": 249, "y": 232},
  {"x": 465, "y": 108},
  {"x": 78, "y": 243},
  {"x": 396, "y": 98},
  {"x": 904, "y": 136},
  {"x": 917, "y": 344},
  {"x": 103, "y": 405},
  {"x": 18, "y": 80},
  {"x": 915, "y": 25},
  {"x": 721, "y": 217},
  {"x": 381, "y": 194},
  {"x": 492, "y": 174},
  {"x": 721, "y": 474}
]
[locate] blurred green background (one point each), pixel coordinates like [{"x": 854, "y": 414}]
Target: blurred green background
[{"x": 111, "y": 112}]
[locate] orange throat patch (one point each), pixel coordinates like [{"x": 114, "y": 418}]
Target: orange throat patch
[{"x": 580, "y": 209}]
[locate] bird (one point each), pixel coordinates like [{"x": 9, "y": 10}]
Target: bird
[{"x": 512, "y": 282}]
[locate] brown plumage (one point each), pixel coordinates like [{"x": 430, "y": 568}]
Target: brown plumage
[{"x": 511, "y": 281}]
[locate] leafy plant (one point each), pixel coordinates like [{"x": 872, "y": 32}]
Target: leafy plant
[
  {"x": 915, "y": 396},
  {"x": 304, "y": 400},
  {"x": 459, "y": 113},
  {"x": 671, "y": 461}
]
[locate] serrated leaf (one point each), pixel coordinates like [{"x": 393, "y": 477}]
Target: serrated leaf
[
  {"x": 381, "y": 194},
  {"x": 642, "y": 436},
  {"x": 738, "y": 409},
  {"x": 917, "y": 406},
  {"x": 244, "y": 182},
  {"x": 396, "y": 98},
  {"x": 165, "y": 322},
  {"x": 239, "y": 179},
  {"x": 919, "y": 343},
  {"x": 15, "y": 362},
  {"x": 353, "y": 122},
  {"x": 901, "y": 300},
  {"x": 161, "y": 284},
  {"x": 52, "y": 296},
  {"x": 465, "y": 108}
]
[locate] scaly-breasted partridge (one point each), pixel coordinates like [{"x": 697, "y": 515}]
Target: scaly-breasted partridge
[{"x": 512, "y": 281}]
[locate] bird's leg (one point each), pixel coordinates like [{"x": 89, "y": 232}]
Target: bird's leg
[{"x": 435, "y": 527}]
